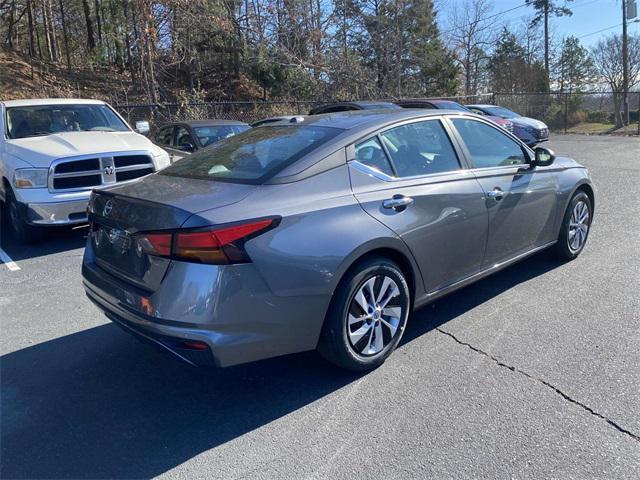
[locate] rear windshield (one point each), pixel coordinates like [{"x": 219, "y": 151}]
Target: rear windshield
[
  {"x": 40, "y": 120},
  {"x": 209, "y": 135},
  {"x": 252, "y": 156}
]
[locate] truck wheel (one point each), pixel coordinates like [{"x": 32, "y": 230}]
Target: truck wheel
[{"x": 22, "y": 231}]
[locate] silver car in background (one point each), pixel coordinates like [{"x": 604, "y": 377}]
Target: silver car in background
[
  {"x": 325, "y": 232},
  {"x": 529, "y": 130}
]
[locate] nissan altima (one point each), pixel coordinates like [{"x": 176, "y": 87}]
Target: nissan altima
[{"x": 325, "y": 232}]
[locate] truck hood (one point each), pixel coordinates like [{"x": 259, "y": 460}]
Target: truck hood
[
  {"x": 41, "y": 151},
  {"x": 528, "y": 122}
]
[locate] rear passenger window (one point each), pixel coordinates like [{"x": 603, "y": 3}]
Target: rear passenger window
[
  {"x": 371, "y": 154},
  {"x": 420, "y": 148}
]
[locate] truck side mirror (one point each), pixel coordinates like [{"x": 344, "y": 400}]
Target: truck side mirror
[{"x": 142, "y": 127}]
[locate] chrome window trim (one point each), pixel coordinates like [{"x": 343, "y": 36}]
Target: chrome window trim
[
  {"x": 350, "y": 151},
  {"x": 106, "y": 159},
  {"x": 386, "y": 178}
]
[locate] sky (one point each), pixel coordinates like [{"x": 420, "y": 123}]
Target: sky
[{"x": 588, "y": 17}]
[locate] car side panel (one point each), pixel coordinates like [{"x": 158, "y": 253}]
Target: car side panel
[
  {"x": 322, "y": 230},
  {"x": 445, "y": 227},
  {"x": 525, "y": 216}
]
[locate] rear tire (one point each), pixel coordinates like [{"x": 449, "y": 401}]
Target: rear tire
[
  {"x": 367, "y": 316},
  {"x": 575, "y": 228},
  {"x": 21, "y": 230}
]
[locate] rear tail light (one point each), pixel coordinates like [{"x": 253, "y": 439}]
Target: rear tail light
[
  {"x": 218, "y": 245},
  {"x": 156, "y": 243}
]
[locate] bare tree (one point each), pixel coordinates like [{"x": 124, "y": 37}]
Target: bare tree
[
  {"x": 607, "y": 58},
  {"x": 471, "y": 34}
]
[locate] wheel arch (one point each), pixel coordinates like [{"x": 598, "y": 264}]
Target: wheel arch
[
  {"x": 397, "y": 252},
  {"x": 5, "y": 185},
  {"x": 394, "y": 250},
  {"x": 588, "y": 189}
]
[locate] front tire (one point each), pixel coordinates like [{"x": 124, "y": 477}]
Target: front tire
[
  {"x": 367, "y": 316},
  {"x": 575, "y": 228},
  {"x": 21, "y": 230}
]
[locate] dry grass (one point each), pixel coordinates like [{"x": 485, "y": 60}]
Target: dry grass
[{"x": 603, "y": 128}]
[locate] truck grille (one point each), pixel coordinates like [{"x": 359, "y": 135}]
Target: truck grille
[{"x": 94, "y": 172}]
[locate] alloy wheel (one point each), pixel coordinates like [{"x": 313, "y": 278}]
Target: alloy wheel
[
  {"x": 578, "y": 226},
  {"x": 374, "y": 315}
]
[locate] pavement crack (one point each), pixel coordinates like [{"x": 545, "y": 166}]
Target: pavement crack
[{"x": 568, "y": 398}]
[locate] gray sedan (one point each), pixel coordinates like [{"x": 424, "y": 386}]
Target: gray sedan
[{"x": 325, "y": 232}]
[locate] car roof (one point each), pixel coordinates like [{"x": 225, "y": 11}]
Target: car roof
[
  {"x": 363, "y": 118},
  {"x": 434, "y": 101},
  {"x": 481, "y": 105},
  {"x": 355, "y": 125},
  {"x": 358, "y": 105},
  {"x": 208, "y": 123},
  {"x": 51, "y": 101}
]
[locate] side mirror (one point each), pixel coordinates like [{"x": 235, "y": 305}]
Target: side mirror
[
  {"x": 142, "y": 127},
  {"x": 186, "y": 147},
  {"x": 544, "y": 157}
]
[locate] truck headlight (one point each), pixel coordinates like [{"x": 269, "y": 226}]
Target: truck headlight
[
  {"x": 161, "y": 159},
  {"x": 30, "y": 177}
]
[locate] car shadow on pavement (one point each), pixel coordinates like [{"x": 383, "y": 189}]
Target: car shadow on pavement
[
  {"x": 98, "y": 404},
  {"x": 54, "y": 240}
]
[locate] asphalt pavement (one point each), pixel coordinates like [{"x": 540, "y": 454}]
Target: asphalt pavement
[{"x": 531, "y": 373}]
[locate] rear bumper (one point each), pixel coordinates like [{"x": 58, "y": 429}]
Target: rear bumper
[
  {"x": 229, "y": 308},
  {"x": 165, "y": 339}
]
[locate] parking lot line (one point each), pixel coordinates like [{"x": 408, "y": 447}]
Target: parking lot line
[{"x": 6, "y": 259}]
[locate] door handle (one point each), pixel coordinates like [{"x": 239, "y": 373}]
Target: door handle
[
  {"x": 397, "y": 202},
  {"x": 497, "y": 194}
]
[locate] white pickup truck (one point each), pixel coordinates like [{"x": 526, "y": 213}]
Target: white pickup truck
[{"x": 54, "y": 152}]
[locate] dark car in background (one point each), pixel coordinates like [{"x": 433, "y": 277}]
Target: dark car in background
[
  {"x": 351, "y": 106},
  {"x": 529, "y": 130},
  {"x": 443, "y": 104},
  {"x": 181, "y": 138},
  {"x": 272, "y": 120},
  {"x": 325, "y": 233}
]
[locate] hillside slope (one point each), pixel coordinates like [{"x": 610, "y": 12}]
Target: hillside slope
[{"x": 18, "y": 80}]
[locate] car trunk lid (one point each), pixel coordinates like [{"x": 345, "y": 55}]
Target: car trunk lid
[{"x": 155, "y": 204}]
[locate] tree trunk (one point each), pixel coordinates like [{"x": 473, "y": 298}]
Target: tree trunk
[
  {"x": 91, "y": 40},
  {"x": 65, "y": 35},
  {"x": 47, "y": 30},
  {"x": 98, "y": 21},
  {"x": 617, "y": 106},
  {"x": 12, "y": 17}
]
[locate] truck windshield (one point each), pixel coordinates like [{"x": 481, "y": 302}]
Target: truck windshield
[
  {"x": 252, "y": 156},
  {"x": 38, "y": 120}
]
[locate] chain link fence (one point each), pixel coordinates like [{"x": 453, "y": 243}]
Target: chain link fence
[
  {"x": 591, "y": 112},
  {"x": 249, "y": 112}
]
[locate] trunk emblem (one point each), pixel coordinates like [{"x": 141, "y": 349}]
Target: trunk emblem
[{"x": 108, "y": 206}]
